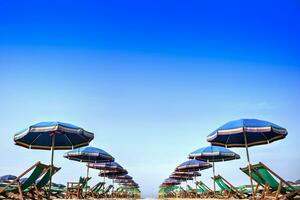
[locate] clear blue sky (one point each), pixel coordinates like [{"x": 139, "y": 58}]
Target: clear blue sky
[{"x": 151, "y": 78}]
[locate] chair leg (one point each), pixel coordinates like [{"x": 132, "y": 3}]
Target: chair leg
[
  {"x": 278, "y": 190},
  {"x": 20, "y": 191}
]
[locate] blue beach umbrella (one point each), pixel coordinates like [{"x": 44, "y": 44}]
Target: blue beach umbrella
[
  {"x": 246, "y": 133},
  {"x": 214, "y": 154},
  {"x": 53, "y": 136},
  {"x": 184, "y": 173},
  {"x": 124, "y": 180},
  {"x": 89, "y": 154},
  {"x": 193, "y": 165},
  {"x": 7, "y": 178},
  {"x": 171, "y": 181},
  {"x": 181, "y": 177},
  {"x": 105, "y": 166},
  {"x": 113, "y": 174},
  {"x": 123, "y": 177}
]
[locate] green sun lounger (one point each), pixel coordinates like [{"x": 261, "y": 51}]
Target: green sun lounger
[
  {"x": 272, "y": 183},
  {"x": 75, "y": 189},
  {"x": 18, "y": 187},
  {"x": 203, "y": 190},
  {"x": 104, "y": 193},
  {"x": 41, "y": 185},
  {"x": 227, "y": 189},
  {"x": 93, "y": 191}
]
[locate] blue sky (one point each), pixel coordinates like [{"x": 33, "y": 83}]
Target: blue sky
[{"x": 151, "y": 79}]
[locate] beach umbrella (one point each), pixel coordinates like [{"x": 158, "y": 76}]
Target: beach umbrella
[
  {"x": 105, "y": 166},
  {"x": 113, "y": 173},
  {"x": 193, "y": 165},
  {"x": 246, "y": 133},
  {"x": 181, "y": 177},
  {"x": 171, "y": 181},
  {"x": 123, "y": 181},
  {"x": 53, "y": 136},
  {"x": 184, "y": 173},
  {"x": 89, "y": 154},
  {"x": 123, "y": 177},
  {"x": 7, "y": 178},
  {"x": 213, "y": 154}
]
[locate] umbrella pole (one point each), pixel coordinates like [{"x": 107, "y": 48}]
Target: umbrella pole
[
  {"x": 214, "y": 174},
  {"x": 87, "y": 178},
  {"x": 51, "y": 166},
  {"x": 249, "y": 167}
]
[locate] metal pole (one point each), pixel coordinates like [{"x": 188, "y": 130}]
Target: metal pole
[
  {"x": 51, "y": 166},
  {"x": 87, "y": 178},
  {"x": 249, "y": 167},
  {"x": 214, "y": 174}
]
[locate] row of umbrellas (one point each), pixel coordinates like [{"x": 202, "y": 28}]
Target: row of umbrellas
[
  {"x": 243, "y": 133},
  {"x": 63, "y": 136}
]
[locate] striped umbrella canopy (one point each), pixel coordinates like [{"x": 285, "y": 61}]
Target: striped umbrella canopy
[
  {"x": 123, "y": 177},
  {"x": 246, "y": 133},
  {"x": 181, "y": 177},
  {"x": 184, "y": 173},
  {"x": 193, "y": 165},
  {"x": 171, "y": 181},
  {"x": 105, "y": 166},
  {"x": 214, "y": 154},
  {"x": 7, "y": 178},
  {"x": 130, "y": 184},
  {"x": 53, "y": 136},
  {"x": 89, "y": 154},
  {"x": 124, "y": 181},
  {"x": 113, "y": 174}
]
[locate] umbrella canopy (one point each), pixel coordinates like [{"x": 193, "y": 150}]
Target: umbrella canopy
[
  {"x": 123, "y": 177},
  {"x": 183, "y": 173},
  {"x": 89, "y": 154},
  {"x": 105, "y": 166},
  {"x": 56, "y": 135},
  {"x": 181, "y": 177},
  {"x": 171, "y": 181},
  {"x": 6, "y": 178},
  {"x": 52, "y": 136},
  {"x": 250, "y": 132},
  {"x": 130, "y": 184},
  {"x": 213, "y": 154},
  {"x": 113, "y": 173},
  {"x": 193, "y": 165},
  {"x": 124, "y": 181}
]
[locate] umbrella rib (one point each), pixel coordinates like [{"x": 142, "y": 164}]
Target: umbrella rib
[
  {"x": 35, "y": 139},
  {"x": 227, "y": 139},
  {"x": 68, "y": 139},
  {"x": 265, "y": 136}
]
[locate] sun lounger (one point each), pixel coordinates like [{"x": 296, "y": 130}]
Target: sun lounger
[
  {"x": 93, "y": 191},
  {"x": 273, "y": 185},
  {"x": 203, "y": 190},
  {"x": 75, "y": 189},
  {"x": 105, "y": 192},
  {"x": 192, "y": 193},
  {"x": 227, "y": 189},
  {"x": 16, "y": 188}
]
